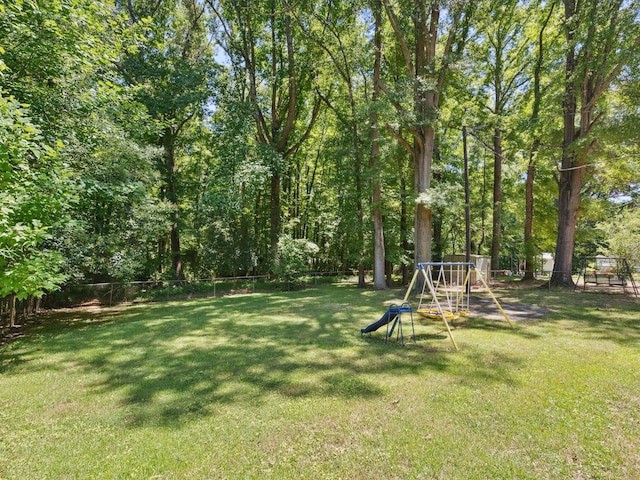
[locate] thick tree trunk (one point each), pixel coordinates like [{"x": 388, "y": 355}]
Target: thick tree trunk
[
  {"x": 438, "y": 244},
  {"x": 422, "y": 182},
  {"x": 428, "y": 75},
  {"x": 570, "y": 176},
  {"x": 568, "y": 207},
  {"x": 379, "y": 282}
]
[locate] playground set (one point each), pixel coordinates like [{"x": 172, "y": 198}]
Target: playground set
[
  {"x": 444, "y": 295},
  {"x": 607, "y": 272}
]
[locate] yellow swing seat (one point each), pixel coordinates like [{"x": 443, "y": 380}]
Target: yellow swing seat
[{"x": 435, "y": 314}]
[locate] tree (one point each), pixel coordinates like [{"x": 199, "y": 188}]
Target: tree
[
  {"x": 342, "y": 37},
  {"x": 31, "y": 196},
  {"x": 169, "y": 63},
  {"x": 536, "y": 127},
  {"x": 427, "y": 59},
  {"x": 261, "y": 39},
  {"x": 58, "y": 57},
  {"x": 623, "y": 235},
  {"x": 376, "y": 197},
  {"x": 601, "y": 37},
  {"x": 506, "y": 53}
]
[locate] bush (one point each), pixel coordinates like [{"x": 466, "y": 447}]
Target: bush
[{"x": 294, "y": 257}]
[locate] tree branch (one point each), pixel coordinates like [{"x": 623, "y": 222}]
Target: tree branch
[
  {"x": 604, "y": 84},
  {"x": 401, "y": 139},
  {"x": 305, "y": 136},
  {"x": 291, "y": 108},
  {"x": 403, "y": 44}
]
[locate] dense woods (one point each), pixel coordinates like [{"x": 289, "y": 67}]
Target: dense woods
[{"x": 181, "y": 139}]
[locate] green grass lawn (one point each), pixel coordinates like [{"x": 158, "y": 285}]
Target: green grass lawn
[{"x": 282, "y": 385}]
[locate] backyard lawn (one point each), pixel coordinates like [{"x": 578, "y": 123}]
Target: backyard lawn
[{"x": 282, "y": 385}]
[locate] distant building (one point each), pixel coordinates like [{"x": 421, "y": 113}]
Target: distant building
[
  {"x": 547, "y": 262},
  {"x": 482, "y": 263}
]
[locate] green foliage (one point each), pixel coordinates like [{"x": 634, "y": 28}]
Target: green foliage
[
  {"x": 622, "y": 235},
  {"x": 295, "y": 256},
  {"x": 175, "y": 116},
  {"x": 118, "y": 217},
  {"x": 31, "y": 195},
  {"x": 443, "y": 198}
]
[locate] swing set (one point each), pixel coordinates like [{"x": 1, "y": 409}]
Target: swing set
[
  {"x": 444, "y": 295},
  {"x": 607, "y": 272}
]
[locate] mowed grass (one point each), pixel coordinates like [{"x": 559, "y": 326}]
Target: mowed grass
[{"x": 282, "y": 385}]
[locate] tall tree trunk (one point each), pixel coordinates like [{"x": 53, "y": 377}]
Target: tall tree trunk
[
  {"x": 422, "y": 182},
  {"x": 529, "y": 250},
  {"x": 423, "y": 66},
  {"x": 497, "y": 200},
  {"x": 570, "y": 177},
  {"x": 274, "y": 232},
  {"x": 529, "y": 247},
  {"x": 404, "y": 223},
  {"x": 359, "y": 194},
  {"x": 568, "y": 207},
  {"x": 438, "y": 243},
  {"x": 378, "y": 238},
  {"x": 360, "y": 232},
  {"x": 593, "y": 62},
  {"x": 162, "y": 250},
  {"x": 258, "y": 234},
  {"x": 12, "y": 310},
  {"x": 483, "y": 205},
  {"x": 168, "y": 143},
  {"x": 245, "y": 242},
  {"x": 376, "y": 197}
]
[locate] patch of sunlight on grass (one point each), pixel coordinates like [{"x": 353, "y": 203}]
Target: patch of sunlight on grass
[{"x": 196, "y": 340}]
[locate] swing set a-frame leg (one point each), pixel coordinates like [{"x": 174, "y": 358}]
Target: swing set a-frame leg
[
  {"x": 466, "y": 287},
  {"x": 435, "y": 297},
  {"x": 439, "y": 307}
]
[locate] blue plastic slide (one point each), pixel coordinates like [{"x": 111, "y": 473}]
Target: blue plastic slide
[{"x": 388, "y": 317}]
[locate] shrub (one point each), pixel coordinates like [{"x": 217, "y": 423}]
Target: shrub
[{"x": 294, "y": 257}]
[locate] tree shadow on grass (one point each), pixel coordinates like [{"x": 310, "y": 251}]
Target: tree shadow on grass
[
  {"x": 596, "y": 315},
  {"x": 175, "y": 361}
]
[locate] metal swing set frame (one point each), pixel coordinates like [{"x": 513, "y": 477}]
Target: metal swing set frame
[{"x": 448, "y": 296}]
